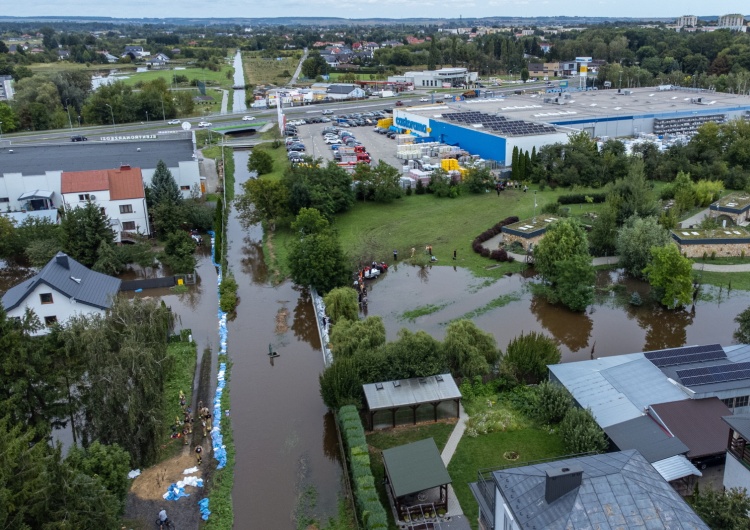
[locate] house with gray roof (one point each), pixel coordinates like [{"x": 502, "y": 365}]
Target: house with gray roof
[
  {"x": 62, "y": 289},
  {"x": 737, "y": 466},
  {"x": 341, "y": 91},
  {"x": 613, "y": 490}
]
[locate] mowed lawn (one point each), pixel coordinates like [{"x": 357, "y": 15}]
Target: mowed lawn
[
  {"x": 373, "y": 230},
  {"x": 205, "y": 75},
  {"x": 487, "y": 450},
  {"x": 266, "y": 71}
]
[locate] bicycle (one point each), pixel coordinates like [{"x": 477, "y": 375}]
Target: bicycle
[{"x": 166, "y": 525}]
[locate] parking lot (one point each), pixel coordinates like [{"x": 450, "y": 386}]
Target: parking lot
[{"x": 379, "y": 146}]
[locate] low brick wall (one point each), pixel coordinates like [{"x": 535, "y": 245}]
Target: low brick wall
[
  {"x": 722, "y": 250},
  {"x": 524, "y": 241}
]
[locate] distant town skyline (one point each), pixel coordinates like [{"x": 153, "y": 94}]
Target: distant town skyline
[{"x": 374, "y": 8}]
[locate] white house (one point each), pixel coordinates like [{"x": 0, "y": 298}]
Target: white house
[
  {"x": 62, "y": 289},
  {"x": 119, "y": 193}
]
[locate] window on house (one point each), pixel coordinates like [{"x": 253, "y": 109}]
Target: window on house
[
  {"x": 84, "y": 197},
  {"x": 128, "y": 225},
  {"x": 126, "y": 208},
  {"x": 49, "y": 321},
  {"x": 4, "y": 199},
  {"x": 741, "y": 401},
  {"x": 46, "y": 298},
  {"x": 185, "y": 188},
  {"x": 729, "y": 402}
]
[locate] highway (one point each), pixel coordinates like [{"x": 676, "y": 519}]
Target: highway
[{"x": 97, "y": 133}]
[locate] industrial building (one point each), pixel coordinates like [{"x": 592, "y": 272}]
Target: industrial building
[
  {"x": 491, "y": 126},
  {"x": 442, "y": 78}
]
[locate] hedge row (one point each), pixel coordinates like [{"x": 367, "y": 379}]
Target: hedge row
[
  {"x": 581, "y": 198},
  {"x": 498, "y": 254},
  {"x": 370, "y": 509}
]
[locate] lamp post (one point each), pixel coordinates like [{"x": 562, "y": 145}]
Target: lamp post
[
  {"x": 1, "y": 129},
  {"x": 163, "y": 115},
  {"x": 146, "y": 116},
  {"x": 67, "y": 109},
  {"x": 113, "y": 116}
]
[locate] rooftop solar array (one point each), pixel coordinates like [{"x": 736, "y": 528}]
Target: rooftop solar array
[
  {"x": 686, "y": 355},
  {"x": 714, "y": 374},
  {"x": 499, "y": 124}
]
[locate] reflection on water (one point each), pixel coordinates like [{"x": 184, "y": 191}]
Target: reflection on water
[
  {"x": 285, "y": 440},
  {"x": 611, "y": 326}
]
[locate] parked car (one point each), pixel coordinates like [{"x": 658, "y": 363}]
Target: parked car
[
  {"x": 298, "y": 147},
  {"x": 325, "y": 119},
  {"x": 333, "y": 140},
  {"x": 78, "y": 138},
  {"x": 204, "y": 124},
  {"x": 327, "y": 111},
  {"x": 294, "y": 154},
  {"x": 248, "y": 118},
  {"x": 174, "y": 122}
]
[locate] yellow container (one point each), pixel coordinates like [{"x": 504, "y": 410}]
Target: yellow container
[{"x": 180, "y": 281}]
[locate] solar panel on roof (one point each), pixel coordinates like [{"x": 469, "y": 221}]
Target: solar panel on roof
[
  {"x": 686, "y": 355},
  {"x": 714, "y": 374}
]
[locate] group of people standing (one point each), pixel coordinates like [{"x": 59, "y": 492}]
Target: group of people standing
[{"x": 187, "y": 421}]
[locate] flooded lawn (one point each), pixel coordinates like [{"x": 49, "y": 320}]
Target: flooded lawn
[{"x": 432, "y": 297}]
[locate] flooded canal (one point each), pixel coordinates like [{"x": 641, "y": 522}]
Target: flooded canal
[
  {"x": 285, "y": 441},
  {"x": 238, "y": 101},
  {"x": 506, "y": 308}
]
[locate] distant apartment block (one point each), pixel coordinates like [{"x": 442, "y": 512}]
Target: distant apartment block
[
  {"x": 735, "y": 22},
  {"x": 687, "y": 20}
]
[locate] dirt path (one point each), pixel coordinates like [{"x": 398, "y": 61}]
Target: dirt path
[{"x": 145, "y": 497}]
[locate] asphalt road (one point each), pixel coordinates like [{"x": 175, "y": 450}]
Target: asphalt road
[{"x": 154, "y": 127}]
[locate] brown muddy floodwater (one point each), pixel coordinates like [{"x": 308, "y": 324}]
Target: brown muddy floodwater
[
  {"x": 286, "y": 443},
  {"x": 611, "y": 326}
]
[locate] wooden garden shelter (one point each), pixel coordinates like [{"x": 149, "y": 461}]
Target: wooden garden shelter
[
  {"x": 411, "y": 393},
  {"x": 416, "y": 477}
]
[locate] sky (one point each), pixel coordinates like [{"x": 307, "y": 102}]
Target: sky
[{"x": 373, "y": 8}]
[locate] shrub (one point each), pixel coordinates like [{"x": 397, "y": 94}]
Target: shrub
[
  {"x": 499, "y": 255},
  {"x": 581, "y": 433},
  {"x": 527, "y": 357},
  {"x": 553, "y": 402},
  {"x": 228, "y": 294},
  {"x": 485, "y": 252},
  {"x": 581, "y": 198}
]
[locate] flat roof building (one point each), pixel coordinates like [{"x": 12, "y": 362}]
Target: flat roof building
[{"x": 436, "y": 78}]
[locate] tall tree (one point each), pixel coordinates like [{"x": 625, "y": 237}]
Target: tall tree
[
  {"x": 671, "y": 274},
  {"x": 468, "y": 350},
  {"x": 634, "y": 243},
  {"x": 83, "y": 230},
  {"x": 263, "y": 200},
  {"x": 163, "y": 186}
]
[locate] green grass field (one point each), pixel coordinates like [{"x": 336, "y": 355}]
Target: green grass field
[
  {"x": 209, "y": 77},
  {"x": 486, "y": 451},
  {"x": 739, "y": 281},
  {"x": 375, "y": 229},
  {"x": 268, "y": 71}
]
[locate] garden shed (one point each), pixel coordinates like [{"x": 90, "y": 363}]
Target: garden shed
[
  {"x": 417, "y": 480},
  {"x": 412, "y": 394}
]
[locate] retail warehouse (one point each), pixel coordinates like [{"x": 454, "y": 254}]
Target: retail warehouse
[{"x": 492, "y": 127}]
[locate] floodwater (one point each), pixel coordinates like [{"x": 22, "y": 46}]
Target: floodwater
[
  {"x": 286, "y": 442},
  {"x": 238, "y": 104},
  {"x": 610, "y": 326}
]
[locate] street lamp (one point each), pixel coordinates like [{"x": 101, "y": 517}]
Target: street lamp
[
  {"x": 113, "y": 116},
  {"x": 1, "y": 129},
  {"x": 146, "y": 116},
  {"x": 163, "y": 115}
]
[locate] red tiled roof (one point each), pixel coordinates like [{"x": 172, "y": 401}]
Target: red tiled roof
[
  {"x": 125, "y": 183},
  {"x": 122, "y": 183},
  {"x": 80, "y": 181}
]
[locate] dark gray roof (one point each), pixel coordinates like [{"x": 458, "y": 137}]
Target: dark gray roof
[
  {"x": 739, "y": 423},
  {"x": 645, "y": 435},
  {"x": 94, "y": 289},
  {"x": 618, "y": 490},
  {"x": 86, "y": 156},
  {"x": 341, "y": 89},
  {"x": 415, "y": 467}
]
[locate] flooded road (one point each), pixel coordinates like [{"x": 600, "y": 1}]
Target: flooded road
[
  {"x": 506, "y": 308},
  {"x": 285, "y": 442}
]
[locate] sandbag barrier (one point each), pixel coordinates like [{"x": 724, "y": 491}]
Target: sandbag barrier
[
  {"x": 217, "y": 440},
  {"x": 320, "y": 314}
]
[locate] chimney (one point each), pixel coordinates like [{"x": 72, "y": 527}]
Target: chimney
[
  {"x": 561, "y": 481},
  {"x": 62, "y": 260},
  {"x": 124, "y": 167}
]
